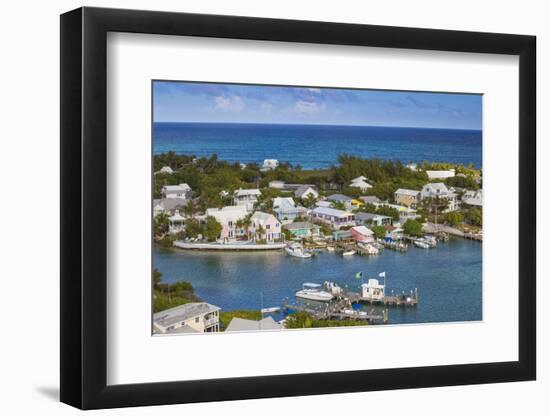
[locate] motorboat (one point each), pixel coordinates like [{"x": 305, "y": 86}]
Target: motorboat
[
  {"x": 348, "y": 253},
  {"x": 297, "y": 250},
  {"x": 430, "y": 240},
  {"x": 330, "y": 248},
  {"x": 270, "y": 309},
  {"x": 421, "y": 244},
  {"x": 369, "y": 248},
  {"x": 313, "y": 292}
]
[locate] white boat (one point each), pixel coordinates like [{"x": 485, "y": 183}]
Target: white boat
[
  {"x": 297, "y": 250},
  {"x": 270, "y": 309},
  {"x": 421, "y": 244},
  {"x": 313, "y": 292},
  {"x": 430, "y": 240},
  {"x": 369, "y": 248},
  {"x": 330, "y": 248},
  {"x": 348, "y": 253}
]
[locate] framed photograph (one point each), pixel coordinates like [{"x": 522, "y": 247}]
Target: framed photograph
[{"x": 258, "y": 208}]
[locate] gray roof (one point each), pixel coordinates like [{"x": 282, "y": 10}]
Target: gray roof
[
  {"x": 170, "y": 204},
  {"x": 243, "y": 325},
  {"x": 182, "y": 313},
  {"x": 339, "y": 197},
  {"x": 302, "y": 189},
  {"x": 370, "y": 199},
  {"x": 300, "y": 225},
  {"x": 406, "y": 191},
  {"x": 369, "y": 216}
]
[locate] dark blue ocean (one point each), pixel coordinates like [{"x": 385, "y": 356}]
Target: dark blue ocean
[{"x": 317, "y": 146}]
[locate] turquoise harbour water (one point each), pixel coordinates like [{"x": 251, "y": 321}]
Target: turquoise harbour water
[
  {"x": 316, "y": 146},
  {"x": 448, "y": 278}
]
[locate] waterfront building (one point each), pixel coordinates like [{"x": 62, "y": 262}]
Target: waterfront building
[
  {"x": 187, "y": 318},
  {"x": 338, "y": 235},
  {"x": 333, "y": 217},
  {"x": 341, "y": 198},
  {"x": 270, "y": 164},
  {"x": 176, "y": 191},
  {"x": 168, "y": 205},
  {"x": 440, "y": 190},
  {"x": 361, "y": 183},
  {"x": 265, "y": 226},
  {"x": 407, "y": 197},
  {"x": 372, "y": 290},
  {"x": 287, "y": 210},
  {"x": 304, "y": 191},
  {"x": 228, "y": 216},
  {"x": 473, "y": 198},
  {"x": 302, "y": 229},
  {"x": 412, "y": 167},
  {"x": 247, "y": 197},
  {"x": 440, "y": 174},
  {"x": 244, "y": 325},
  {"x": 372, "y": 219},
  {"x": 362, "y": 234},
  {"x": 176, "y": 223}
]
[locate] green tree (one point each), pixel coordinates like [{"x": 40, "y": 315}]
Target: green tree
[
  {"x": 161, "y": 224},
  {"x": 412, "y": 228},
  {"x": 309, "y": 200},
  {"x": 379, "y": 231},
  {"x": 474, "y": 216},
  {"x": 157, "y": 277},
  {"x": 192, "y": 228},
  {"x": 454, "y": 218},
  {"x": 299, "y": 320},
  {"x": 212, "y": 229}
]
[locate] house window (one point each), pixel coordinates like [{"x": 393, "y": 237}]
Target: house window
[
  {"x": 268, "y": 226},
  {"x": 196, "y": 319}
]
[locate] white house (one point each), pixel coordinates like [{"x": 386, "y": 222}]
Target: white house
[
  {"x": 323, "y": 203},
  {"x": 287, "y": 210},
  {"x": 270, "y": 164},
  {"x": 228, "y": 216},
  {"x": 372, "y": 290},
  {"x": 361, "y": 183},
  {"x": 440, "y": 174},
  {"x": 265, "y": 226},
  {"x": 247, "y": 197},
  {"x": 176, "y": 191},
  {"x": 440, "y": 190},
  {"x": 167, "y": 205},
  {"x": 333, "y": 217},
  {"x": 473, "y": 198},
  {"x": 342, "y": 199},
  {"x": 187, "y": 318},
  {"x": 407, "y": 197},
  {"x": 176, "y": 223},
  {"x": 373, "y": 219},
  {"x": 166, "y": 170},
  {"x": 306, "y": 190}
]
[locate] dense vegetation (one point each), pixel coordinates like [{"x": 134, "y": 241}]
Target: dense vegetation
[{"x": 166, "y": 296}]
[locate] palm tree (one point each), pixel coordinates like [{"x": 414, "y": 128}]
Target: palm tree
[
  {"x": 190, "y": 208},
  {"x": 309, "y": 200},
  {"x": 260, "y": 231}
]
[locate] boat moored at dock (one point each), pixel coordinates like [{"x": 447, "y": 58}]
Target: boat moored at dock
[
  {"x": 296, "y": 250},
  {"x": 313, "y": 292}
]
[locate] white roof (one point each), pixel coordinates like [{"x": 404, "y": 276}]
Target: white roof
[
  {"x": 249, "y": 191},
  {"x": 176, "y": 188},
  {"x": 262, "y": 217},
  {"x": 360, "y": 178},
  {"x": 360, "y": 183},
  {"x": 434, "y": 174},
  {"x": 323, "y": 203},
  {"x": 182, "y": 313},
  {"x": 166, "y": 169},
  {"x": 283, "y": 201},
  {"x": 406, "y": 191},
  {"x": 242, "y": 325},
  {"x": 227, "y": 213},
  {"x": 434, "y": 187},
  {"x": 332, "y": 212},
  {"x": 363, "y": 230},
  {"x": 176, "y": 217}
]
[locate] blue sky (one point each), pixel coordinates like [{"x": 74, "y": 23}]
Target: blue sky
[{"x": 209, "y": 102}]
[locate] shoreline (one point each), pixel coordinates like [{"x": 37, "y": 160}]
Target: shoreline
[{"x": 232, "y": 247}]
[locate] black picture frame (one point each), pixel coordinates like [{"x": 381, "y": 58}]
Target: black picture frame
[{"x": 84, "y": 207}]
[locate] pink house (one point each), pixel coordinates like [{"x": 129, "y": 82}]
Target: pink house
[
  {"x": 265, "y": 226},
  {"x": 362, "y": 234}
]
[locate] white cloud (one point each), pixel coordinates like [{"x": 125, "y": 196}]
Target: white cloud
[
  {"x": 308, "y": 107},
  {"x": 315, "y": 90},
  {"x": 229, "y": 104},
  {"x": 266, "y": 106}
]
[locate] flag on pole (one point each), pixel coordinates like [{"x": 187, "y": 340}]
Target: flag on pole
[
  {"x": 359, "y": 275},
  {"x": 382, "y": 274}
]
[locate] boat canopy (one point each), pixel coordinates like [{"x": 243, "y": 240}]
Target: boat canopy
[{"x": 311, "y": 285}]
